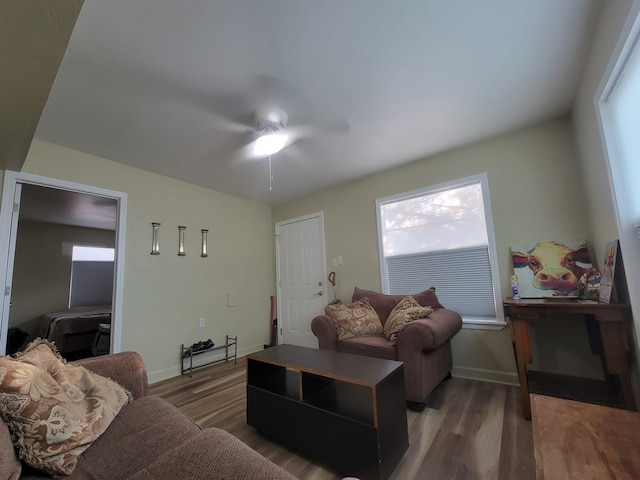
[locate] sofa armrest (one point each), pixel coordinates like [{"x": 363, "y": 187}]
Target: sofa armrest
[
  {"x": 126, "y": 368},
  {"x": 430, "y": 333},
  {"x": 325, "y": 330}
]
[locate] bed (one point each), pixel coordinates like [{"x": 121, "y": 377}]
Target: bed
[{"x": 74, "y": 330}]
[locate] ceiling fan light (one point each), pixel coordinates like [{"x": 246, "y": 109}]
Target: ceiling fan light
[{"x": 269, "y": 143}]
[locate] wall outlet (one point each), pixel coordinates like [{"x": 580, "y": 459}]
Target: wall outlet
[
  {"x": 201, "y": 323},
  {"x": 339, "y": 259}
]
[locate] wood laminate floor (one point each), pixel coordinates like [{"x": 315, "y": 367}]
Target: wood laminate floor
[{"x": 469, "y": 430}]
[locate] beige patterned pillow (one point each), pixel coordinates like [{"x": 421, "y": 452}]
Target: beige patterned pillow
[
  {"x": 407, "y": 310},
  {"x": 356, "y": 320},
  {"x": 54, "y": 410}
]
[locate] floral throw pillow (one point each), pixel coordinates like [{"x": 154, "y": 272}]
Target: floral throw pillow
[
  {"x": 358, "y": 319},
  {"x": 54, "y": 410},
  {"x": 407, "y": 310}
]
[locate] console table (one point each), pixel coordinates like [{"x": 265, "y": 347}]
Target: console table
[
  {"x": 610, "y": 324},
  {"x": 346, "y": 410}
]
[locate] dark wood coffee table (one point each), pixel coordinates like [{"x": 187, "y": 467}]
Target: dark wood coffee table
[{"x": 348, "y": 411}]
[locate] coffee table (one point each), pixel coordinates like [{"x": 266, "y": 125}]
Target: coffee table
[{"x": 348, "y": 411}]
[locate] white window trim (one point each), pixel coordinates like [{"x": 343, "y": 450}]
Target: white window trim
[
  {"x": 626, "y": 223},
  {"x": 497, "y": 323}
]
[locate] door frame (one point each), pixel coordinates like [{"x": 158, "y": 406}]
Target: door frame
[
  {"x": 11, "y": 179},
  {"x": 319, "y": 215}
]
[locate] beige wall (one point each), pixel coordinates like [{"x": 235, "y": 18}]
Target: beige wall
[
  {"x": 535, "y": 195},
  {"x": 537, "y": 189},
  {"x": 165, "y": 295},
  {"x": 600, "y": 203},
  {"x": 42, "y": 268}
]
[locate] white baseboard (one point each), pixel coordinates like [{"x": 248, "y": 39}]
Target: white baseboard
[
  {"x": 493, "y": 376},
  {"x": 165, "y": 373}
]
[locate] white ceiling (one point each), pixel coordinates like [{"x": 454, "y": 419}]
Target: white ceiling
[
  {"x": 53, "y": 205},
  {"x": 148, "y": 82}
]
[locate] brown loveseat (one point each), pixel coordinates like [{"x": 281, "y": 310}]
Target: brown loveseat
[
  {"x": 423, "y": 345},
  {"x": 151, "y": 439}
]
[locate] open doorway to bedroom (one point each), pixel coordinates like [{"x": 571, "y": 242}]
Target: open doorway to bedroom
[{"x": 58, "y": 289}]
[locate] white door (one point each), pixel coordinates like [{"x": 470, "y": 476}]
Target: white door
[
  {"x": 7, "y": 264},
  {"x": 301, "y": 271}
]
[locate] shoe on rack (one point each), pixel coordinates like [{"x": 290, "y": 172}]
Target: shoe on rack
[
  {"x": 208, "y": 344},
  {"x": 196, "y": 347}
]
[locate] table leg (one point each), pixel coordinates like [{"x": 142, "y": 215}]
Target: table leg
[
  {"x": 522, "y": 350},
  {"x": 615, "y": 355}
]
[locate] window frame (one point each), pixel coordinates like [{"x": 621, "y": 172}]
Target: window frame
[
  {"x": 488, "y": 323},
  {"x": 627, "y": 219}
]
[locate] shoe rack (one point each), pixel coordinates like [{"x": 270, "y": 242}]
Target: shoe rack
[{"x": 230, "y": 348}]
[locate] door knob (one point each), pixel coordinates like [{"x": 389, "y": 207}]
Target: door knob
[
  {"x": 319, "y": 293},
  {"x": 319, "y": 284}
]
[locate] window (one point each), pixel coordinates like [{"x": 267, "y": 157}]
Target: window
[
  {"x": 442, "y": 236},
  {"x": 618, "y": 104},
  {"x": 91, "y": 276}
]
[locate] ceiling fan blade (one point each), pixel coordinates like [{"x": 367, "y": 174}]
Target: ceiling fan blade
[
  {"x": 222, "y": 123},
  {"x": 334, "y": 127}
]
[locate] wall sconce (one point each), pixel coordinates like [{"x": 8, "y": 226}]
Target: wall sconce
[
  {"x": 204, "y": 243},
  {"x": 155, "y": 248},
  {"x": 181, "y": 230}
]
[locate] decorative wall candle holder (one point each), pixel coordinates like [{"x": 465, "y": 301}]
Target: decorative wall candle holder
[
  {"x": 155, "y": 247},
  {"x": 204, "y": 243},
  {"x": 181, "y": 251}
]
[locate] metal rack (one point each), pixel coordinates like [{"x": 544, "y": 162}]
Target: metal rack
[{"x": 187, "y": 354}]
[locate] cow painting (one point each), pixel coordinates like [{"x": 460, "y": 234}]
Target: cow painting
[{"x": 550, "y": 269}]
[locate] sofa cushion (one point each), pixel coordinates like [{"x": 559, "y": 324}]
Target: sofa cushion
[
  {"x": 383, "y": 303},
  {"x": 54, "y": 410},
  {"x": 407, "y": 310},
  {"x": 212, "y": 453},
  {"x": 355, "y": 320},
  {"x": 10, "y": 467},
  {"x": 378, "y": 347},
  {"x": 143, "y": 430}
]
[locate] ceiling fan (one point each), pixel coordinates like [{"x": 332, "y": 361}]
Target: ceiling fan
[
  {"x": 270, "y": 131},
  {"x": 272, "y": 134}
]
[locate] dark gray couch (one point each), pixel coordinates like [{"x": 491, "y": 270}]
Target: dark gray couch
[{"x": 151, "y": 439}]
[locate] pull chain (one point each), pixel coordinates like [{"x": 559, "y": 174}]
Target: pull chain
[{"x": 270, "y": 174}]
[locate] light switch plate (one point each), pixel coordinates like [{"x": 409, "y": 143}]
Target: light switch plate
[{"x": 231, "y": 299}]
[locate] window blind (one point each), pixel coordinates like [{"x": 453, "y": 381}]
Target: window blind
[
  {"x": 462, "y": 278},
  {"x": 91, "y": 283}
]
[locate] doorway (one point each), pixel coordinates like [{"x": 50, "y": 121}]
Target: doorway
[
  {"x": 301, "y": 274},
  {"x": 41, "y": 220}
]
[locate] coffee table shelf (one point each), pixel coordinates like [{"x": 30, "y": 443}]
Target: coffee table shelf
[{"x": 346, "y": 410}]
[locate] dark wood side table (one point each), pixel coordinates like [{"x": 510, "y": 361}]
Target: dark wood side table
[{"x": 611, "y": 319}]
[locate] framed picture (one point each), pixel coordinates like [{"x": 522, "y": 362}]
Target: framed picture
[
  {"x": 607, "y": 290},
  {"x": 550, "y": 268}
]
